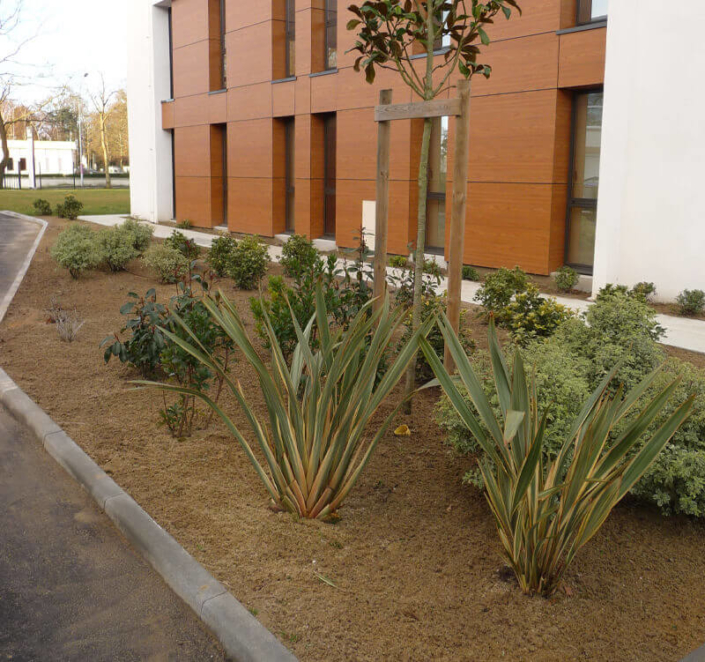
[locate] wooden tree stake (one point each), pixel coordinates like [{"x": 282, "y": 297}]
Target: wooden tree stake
[
  {"x": 457, "y": 221},
  {"x": 382, "y": 203}
]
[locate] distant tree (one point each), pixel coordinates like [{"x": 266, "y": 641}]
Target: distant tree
[{"x": 103, "y": 107}]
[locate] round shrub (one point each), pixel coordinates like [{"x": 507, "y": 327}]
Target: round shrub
[
  {"x": 691, "y": 302},
  {"x": 70, "y": 208},
  {"x": 220, "y": 254},
  {"x": 499, "y": 288},
  {"x": 168, "y": 262},
  {"x": 249, "y": 263},
  {"x": 566, "y": 279},
  {"x": 141, "y": 233},
  {"x": 532, "y": 316},
  {"x": 187, "y": 247},
  {"x": 398, "y": 262},
  {"x": 645, "y": 290},
  {"x": 116, "y": 247},
  {"x": 76, "y": 249},
  {"x": 470, "y": 273},
  {"x": 42, "y": 207},
  {"x": 299, "y": 256}
]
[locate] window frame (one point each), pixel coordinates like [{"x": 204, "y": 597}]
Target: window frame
[
  {"x": 573, "y": 202},
  {"x": 289, "y": 38},
  {"x": 289, "y": 180},
  {"x": 578, "y": 9},
  {"x": 330, "y": 22}
]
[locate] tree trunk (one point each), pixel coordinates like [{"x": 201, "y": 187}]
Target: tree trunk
[
  {"x": 104, "y": 144},
  {"x": 5, "y": 151}
]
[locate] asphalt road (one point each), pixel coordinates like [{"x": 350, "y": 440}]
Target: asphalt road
[{"x": 72, "y": 589}]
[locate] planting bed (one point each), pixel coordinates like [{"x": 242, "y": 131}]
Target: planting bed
[{"x": 415, "y": 561}]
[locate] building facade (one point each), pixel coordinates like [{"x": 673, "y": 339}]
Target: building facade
[
  {"x": 50, "y": 157},
  {"x": 255, "y": 119}
]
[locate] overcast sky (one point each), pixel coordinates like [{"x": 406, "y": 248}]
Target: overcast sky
[{"x": 74, "y": 37}]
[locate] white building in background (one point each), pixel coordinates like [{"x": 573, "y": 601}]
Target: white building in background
[
  {"x": 650, "y": 215},
  {"x": 50, "y": 157}
]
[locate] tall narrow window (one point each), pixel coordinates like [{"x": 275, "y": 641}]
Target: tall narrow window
[
  {"x": 170, "y": 28},
  {"x": 329, "y": 177},
  {"x": 591, "y": 10},
  {"x": 289, "y": 173},
  {"x": 290, "y": 39},
  {"x": 219, "y": 174},
  {"x": 437, "y": 175},
  {"x": 585, "y": 179},
  {"x": 331, "y": 36},
  {"x": 216, "y": 19}
]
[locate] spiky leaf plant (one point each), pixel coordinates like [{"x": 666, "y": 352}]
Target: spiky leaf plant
[
  {"x": 314, "y": 443},
  {"x": 546, "y": 513}
]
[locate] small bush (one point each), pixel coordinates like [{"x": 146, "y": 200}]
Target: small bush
[
  {"x": 470, "y": 273},
  {"x": 42, "y": 207},
  {"x": 432, "y": 268},
  {"x": 141, "y": 233},
  {"x": 76, "y": 249},
  {"x": 398, "y": 262},
  {"x": 220, "y": 254},
  {"x": 117, "y": 247},
  {"x": 644, "y": 290},
  {"x": 68, "y": 325},
  {"x": 168, "y": 262},
  {"x": 70, "y": 208},
  {"x": 611, "y": 289},
  {"x": 532, "y": 316},
  {"x": 299, "y": 255},
  {"x": 691, "y": 302},
  {"x": 566, "y": 279},
  {"x": 184, "y": 225},
  {"x": 499, "y": 288},
  {"x": 187, "y": 247},
  {"x": 249, "y": 263}
]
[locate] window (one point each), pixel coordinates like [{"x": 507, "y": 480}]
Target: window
[
  {"x": 329, "y": 177},
  {"x": 437, "y": 175},
  {"x": 331, "y": 37},
  {"x": 290, "y": 40},
  {"x": 591, "y": 10},
  {"x": 219, "y": 174},
  {"x": 289, "y": 174},
  {"x": 217, "y": 40},
  {"x": 442, "y": 41},
  {"x": 584, "y": 182}
]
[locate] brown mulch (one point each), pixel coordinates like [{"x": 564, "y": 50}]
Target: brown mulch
[{"x": 415, "y": 561}]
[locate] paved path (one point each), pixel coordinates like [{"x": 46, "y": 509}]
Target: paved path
[
  {"x": 71, "y": 587},
  {"x": 680, "y": 331}
]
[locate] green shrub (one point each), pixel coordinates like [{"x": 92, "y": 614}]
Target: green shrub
[
  {"x": 141, "y": 233},
  {"x": 249, "y": 263},
  {"x": 76, "y": 249},
  {"x": 645, "y": 290},
  {"x": 470, "y": 273},
  {"x": 185, "y": 224},
  {"x": 398, "y": 261},
  {"x": 404, "y": 286},
  {"x": 187, "y": 247},
  {"x": 499, "y": 288},
  {"x": 70, "y": 208},
  {"x": 566, "y": 279},
  {"x": 691, "y": 302},
  {"x": 299, "y": 255},
  {"x": 168, "y": 262},
  {"x": 117, "y": 247},
  {"x": 220, "y": 254},
  {"x": 530, "y": 316},
  {"x": 42, "y": 207},
  {"x": 432, "y": 268}
]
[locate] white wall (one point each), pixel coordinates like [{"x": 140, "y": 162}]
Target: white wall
[
  {"x": 55, "y": 157},
  {"x": 151, "y": 182},
  {"x": 651, "y": 211}
]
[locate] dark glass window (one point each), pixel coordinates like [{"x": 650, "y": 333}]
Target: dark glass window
[
  {"x": 584, "y": 181},
  {"x": 216, "y": 28},
  {"x": 290, "y": 39},
  {"x": 289, "y": 173},
  {"x": 591, "y": 10},
  {"x": 331, "y": 36},
  {"x": 437, "y": 176},
  {"x": 329, "y": 156}
]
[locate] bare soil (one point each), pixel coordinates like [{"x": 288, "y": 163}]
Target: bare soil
[{"x": 415, "y": 562}]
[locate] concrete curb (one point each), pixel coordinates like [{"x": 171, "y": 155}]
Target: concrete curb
[
  {"x": 5, "y": 303},
  {"x": 243, "y": 637}
]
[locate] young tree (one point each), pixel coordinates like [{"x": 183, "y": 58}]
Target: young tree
[
  {"x": 102, "y": 103},
  {"x": 390, "y": 34}
]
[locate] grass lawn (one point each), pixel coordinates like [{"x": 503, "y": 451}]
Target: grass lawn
[{"x": 95, "y": 201}]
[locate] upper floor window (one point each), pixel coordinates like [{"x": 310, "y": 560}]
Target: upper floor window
[
  {"x": 290, "y": 39},
  {"x": 592, "y": 10},
  {"x": 331, "y": 36},
  {"x": 218, "y": 74}
]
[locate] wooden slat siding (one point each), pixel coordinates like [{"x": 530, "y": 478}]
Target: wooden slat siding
[
  {"x": 418, "y": 110},
  {"x": 384, "y": 139},
  {"x": 168, "y": 116}
]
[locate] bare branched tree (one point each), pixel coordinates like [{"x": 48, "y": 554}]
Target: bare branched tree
[{"x": 102, "y": 103}]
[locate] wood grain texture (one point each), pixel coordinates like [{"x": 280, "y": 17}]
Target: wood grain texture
[
  {"x": 582, "y": 58},
  {"x": 418, "y": 109}
]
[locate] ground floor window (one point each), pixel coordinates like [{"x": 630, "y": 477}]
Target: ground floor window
[
  {"x": 584, "y": 181},
  {"x": 437, "y": 177},
  {"x": 329, "y": 177}
]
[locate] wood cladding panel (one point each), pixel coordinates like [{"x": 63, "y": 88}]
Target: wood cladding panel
[
  {"x": 218, "y": 108},
  {"x": 240, "y": 14},
  {"x": 556, "y": 248},
  {"x": 303, "y": 41},
  {"x": 582, "y": 58},
  {"x": 250, "y": 102},
  {"x": 537, "y": 17},
  {"x": 191, "y": 69},
  {"x": 168, "y": 115},
  {"x": 278, "y": 50},
  {"x": 511, "y": 137},
  {"x": 189, "y": 22},
  {"x": 324, "y": 93},
  {"x": 250, "y": 148},
  {"x": 193, "y": 200},
  {"x": 248, "y": 61},
  {"x": 249, "y": 206},
  {"x": 190, "y": 111},
  {"x": 192, "y": 151},
  {"x": 284, "y": 99}
]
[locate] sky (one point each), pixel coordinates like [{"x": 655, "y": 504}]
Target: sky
[{"x": 74, "y": 37}]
